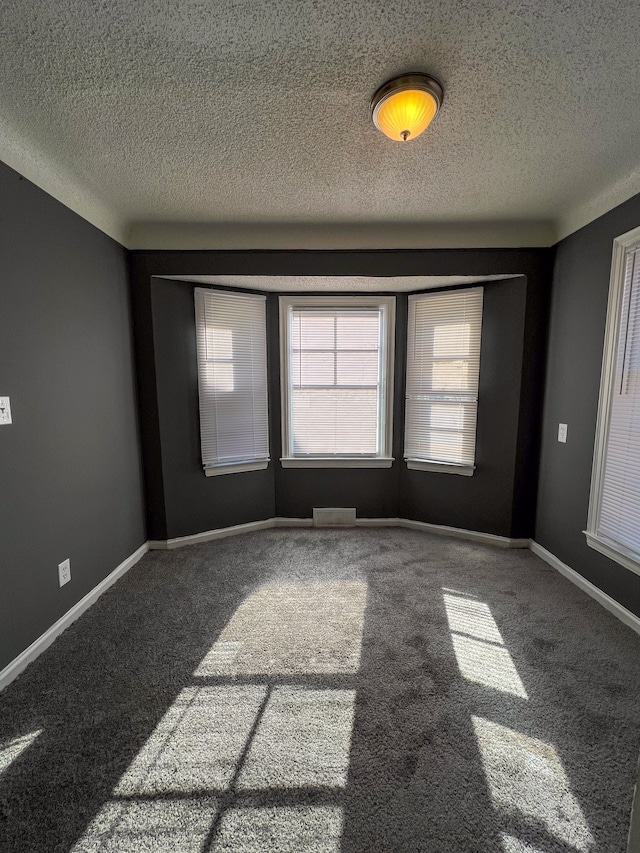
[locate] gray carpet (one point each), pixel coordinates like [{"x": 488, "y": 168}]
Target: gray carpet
[{"x": 313, "y": 690}]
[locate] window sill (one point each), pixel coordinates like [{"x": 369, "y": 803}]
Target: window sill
[
  {"x": 337, "y": 462},
  {"x": 236, "y": 468},
  {"x": 614, "y": 551},
  {"x": 441, "y": 467}
]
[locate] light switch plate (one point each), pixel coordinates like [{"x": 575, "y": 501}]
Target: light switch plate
[
  {"x": 562, "y": 433},
  {"x": 5, "y": 410}
]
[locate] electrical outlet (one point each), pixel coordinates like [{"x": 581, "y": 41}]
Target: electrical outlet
[
  {"x": 562, "y": 433},
  {"x": 64, "y": 572},
  {"x": 5, "y": 410}
]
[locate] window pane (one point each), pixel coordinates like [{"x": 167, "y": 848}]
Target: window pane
[
  {"x": 335, "y": 422},
  {"x": 436, "y": 425},
  {"x": 313, "y": 368},
  {"x": 357, "y": 368},
  {"x": 447, "y": 417},
  {"x": 313, "y": 330},
  {"x": 445, "y": 445},
  {"x": 232, "y": 377},
  {"x": 451, "y": 375},
  {"x": 336, "y": 375},
  {"x": 218, "y": 376},
  {"x": 443, "y": 365},
  {"x": 451, "y": 339},
  {"x": 619, "y": 515},
  {"x": 219, "y": 342},
  {"x": 359, "y": 330}
]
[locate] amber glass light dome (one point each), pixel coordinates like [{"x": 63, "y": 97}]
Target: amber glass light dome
[{"x": 404, "y": 107}]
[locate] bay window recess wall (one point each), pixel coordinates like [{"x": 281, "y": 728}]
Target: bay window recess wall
[
  {"x": 613, "y": 525},
  {"x": 232, "y": 381},
  {"x": 337, "y": 380},
  {"x": 443, "y": 366}
]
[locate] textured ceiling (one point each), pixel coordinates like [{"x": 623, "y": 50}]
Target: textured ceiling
[
  {"x": 335, "y": 283},
  {"x": 155, "y": 117}
]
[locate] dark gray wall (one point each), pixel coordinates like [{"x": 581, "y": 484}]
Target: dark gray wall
[
  {"x": 578, "y": 315},
  {"x": 70, "y": 478},
  {"x": 500, "y": 499}
]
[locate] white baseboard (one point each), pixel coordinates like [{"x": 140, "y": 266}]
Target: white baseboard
[
  {"x": 438, "y": 529},
  {"x": 208, "y": 535},
  {"x": 595, "y": 592},
  {"x": 36, "y": 648},
  {"x": 460, "y": 533}
]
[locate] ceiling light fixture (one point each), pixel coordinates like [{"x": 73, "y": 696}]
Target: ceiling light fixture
[{"x": 404, "y": 107}]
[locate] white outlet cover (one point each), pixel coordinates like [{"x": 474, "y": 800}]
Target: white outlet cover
[
  {"x": 5, "y": 410},
  {"x": 64, "y": 572},
  {"x": 562, "y": 433}
]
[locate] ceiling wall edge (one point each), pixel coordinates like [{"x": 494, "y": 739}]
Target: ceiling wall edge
[
  {"x": 615, "y": 194},
  {"x": 37, "y": 168},
  {"x": 346, "y": 236}
]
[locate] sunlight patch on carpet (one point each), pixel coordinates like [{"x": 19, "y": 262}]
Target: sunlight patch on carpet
[
  {"x": 295, "y": 829},
  {"x": 303, "y": 740},
  {"x": 292, "y": 629},
  {"x": 466, "y": 616},
  {"x": 149, "y": 827},
  {"x": 514, "y": 845},
  {"x": 11, "y": 750},
  {"x": 489, "y": 665},
  {"x": 479, "y": 647},
  {"x": 197, "y": 744},
  {"x": 527, "y": 780}
]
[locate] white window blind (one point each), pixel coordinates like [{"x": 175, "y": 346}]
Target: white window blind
[
  {"x": 619, "y": 516},
  {"x": 232, "y": 380},
  {"x": 336, "y": 380},
  {"x": 443, "y": 365}
]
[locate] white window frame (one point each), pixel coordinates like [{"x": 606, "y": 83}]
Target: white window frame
[
  {"x": 412, "y": 462},
  {"x": 387, "y": 306},
  {"x": 611, "y": 549},
  {"x": 215, "y": 469}
]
